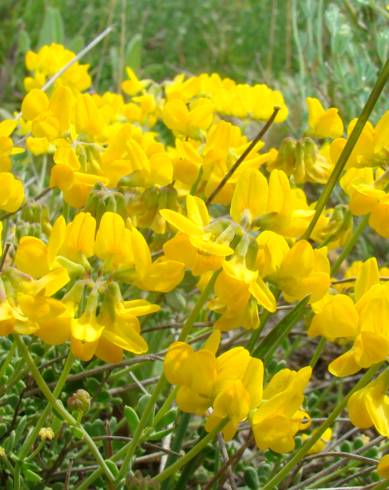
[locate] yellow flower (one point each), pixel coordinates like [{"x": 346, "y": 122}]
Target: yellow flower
[
  {"x": 180, "y": 248},
  {"x": 303, "y": 272},
  {"x": 371, "y": 344},
  {"x": 321, "y": 444},
  {"x": 11, "y": 192},
  {"x": 11, "y": 317},
  {"x": 371, "y": 149},
  {"x": 6, "y": 144},
  {"x": 335, "y": 317},
  {"x": 279, "y": 417},
  {"x": 194, "y": 225},
  {"x": 383, "y": 465},
  {"x": 48, "y": 61},
  {"x": 188, "y": 120},
  {"x": 272, "y": 249},
  {"x": 369, "y": 406},
  {"x": 231, "y": 383},
  {"x": 323, "y": 123},
  {"x": 125, "y": 250},
  {"x": 238, "y": 387},
  {"x": 46, "y": 434},
  {"x": 271, "y": 205},
  {"x": 133, "y": 85},
  {"x": 234, "y": 287}
]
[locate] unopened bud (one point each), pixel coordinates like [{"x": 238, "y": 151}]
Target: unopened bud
[
  {"x": 80, "y": 401},
  {"x": 46, "y": 434}
]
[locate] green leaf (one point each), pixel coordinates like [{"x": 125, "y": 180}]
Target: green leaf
[
  {"x": 132, "y": 418},
  {"x": 251, "y": 477},
  {"x": 112, "y": 466},
  {"x": 168, "y": 418},
  {"x": 77, "y": 432},
  {"x": 20, "y": 428},
  {"x": 76, "y": 43},
  {"x": 31, "y": 476},
  {"x": 52, "y": 30},
  {"x": 24, "y": 41},
  {"x": 157, "y": 436},
  {"x": 282, "y": 329},
  {"x": 134, "y": 52}
]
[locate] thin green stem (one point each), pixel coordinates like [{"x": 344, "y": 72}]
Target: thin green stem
[
  {"x": 29, "y": 442},
  {"x": 129, "y": 449},
  {"x": 198, "y": 306},
  {"x": 59, "y": 408},
  {"x": 174, "y": 468},
  {"x": 165, "y": 406},
  {"x": 296, "y": 37},
  {"x": 299, "y": 455},
  {"x": 351, "y": 142},
  {"x": 318, "y": 352},
  {"x": 270, "y": 343},
  {"x": 350, "y": 245},
  {"x": 146, "y": 415},
  {"x": 8, "y": 359},
  {"x": 180, "y": 432}
]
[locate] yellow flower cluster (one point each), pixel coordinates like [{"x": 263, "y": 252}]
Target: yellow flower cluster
[
  {"x": 231, "y": 384},
  {"x": 151, "y": 193}
]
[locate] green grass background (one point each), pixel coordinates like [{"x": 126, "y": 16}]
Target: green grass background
[{"x": 330, "y": 49}]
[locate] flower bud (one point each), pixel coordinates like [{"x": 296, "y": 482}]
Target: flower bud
[
  {"x": 46, "y": 434},
  {"x": 80, "y": 401},
  {"x": 286, "y": 156}
]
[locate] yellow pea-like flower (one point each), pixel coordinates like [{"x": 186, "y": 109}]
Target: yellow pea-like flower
[
  {"x": 321, "y": 444},
  {"x": 369, "y": 406},
  {"x": 278, "y": 417},
  {"x": 383, "y": 467},
  {"x": 323, "y": 123},
  {"x": 11, "y": 192}
]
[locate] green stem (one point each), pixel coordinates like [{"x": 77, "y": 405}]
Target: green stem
[
  {"x": 351, "y": 141},
  {"x": 8, "y": 359},
  {"x": 59, "y": 408},
  {"x": 265, "y": 316},
  {"x": 165, "y": 406},
  {"x": 37, "y": 450},
  {"x": 300, "y": 55},
  {"x": 270, "y": 343},
  {"x": 177, "y": 442},
  {"x": 257, "y": 332},
  {"x": 198, "y": 306},
  {"x": 318, "y": 352},
  {"x": 381, "y": 485},
  {"x": 350, "y": 245},
  {"x": 129, "y": 449},
  {"x": 146, "y": 415},
  {"x": 29, "y": 442},
  {"x": 299, "y": 455},
  {"x": 174, "y": 468}
]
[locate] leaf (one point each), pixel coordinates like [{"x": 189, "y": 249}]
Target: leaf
[
  {"x": 168, "y": 418},
  {"x": 24, "y": 41},
  {"x": 132, "y": 418},
  {"x": 76, "y": 43},
  {"x": 157, "y": 436},
  {"x": 52, "y": 30},
  {"x": 112, "y": 466},
  {"x": 134, "y": 52},
  {"x": 280, "y": 331},
  {"x": 31, "y": 476}
]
